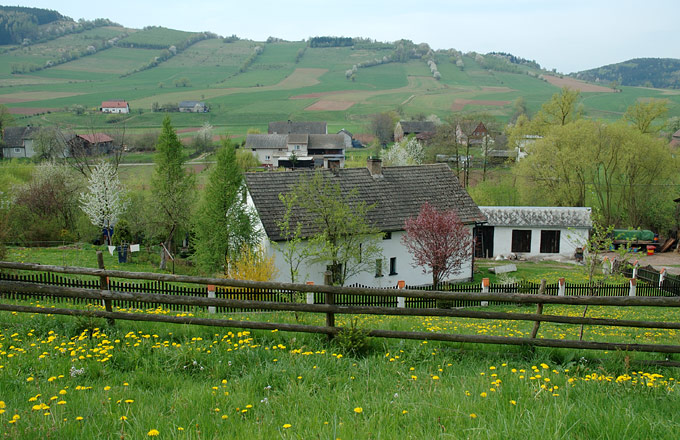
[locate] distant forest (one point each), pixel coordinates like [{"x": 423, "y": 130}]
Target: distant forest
[
  {"x": 645, "y": 72},
  {"x": 20, "y": 25}
]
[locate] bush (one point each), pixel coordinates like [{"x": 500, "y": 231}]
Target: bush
[{"x": 352, "y": 340}]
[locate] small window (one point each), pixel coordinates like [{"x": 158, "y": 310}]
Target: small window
[
  {"x": 267, "y": 157},
  {"x": 17, "y": 150},
  {"x": 550, "y": 242},
  {"x": 393, "y": 266},
  {"x": 387, "y": 236},
  {"x": 521, "y": 241},
  {"x": 297, "y": 147},
  {"x": 378, "y": 267}
]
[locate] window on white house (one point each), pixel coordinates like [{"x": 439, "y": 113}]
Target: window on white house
[
  {"x": 267, "y": 157},
  {"x": 521, "y": 240},
  {"x": 378, "y": 267},
  {"x": 387, "y": 236},
  {"x": 393, "y": 266}
]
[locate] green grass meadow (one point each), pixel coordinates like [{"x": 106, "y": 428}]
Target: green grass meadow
[{"x": 81, "y": 377}]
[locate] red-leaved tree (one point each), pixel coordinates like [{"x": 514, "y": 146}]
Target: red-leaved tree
[{"x": 438, "y": 241}]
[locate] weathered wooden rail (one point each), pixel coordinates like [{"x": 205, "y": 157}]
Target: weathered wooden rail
[{"x": 330, "y": 309}]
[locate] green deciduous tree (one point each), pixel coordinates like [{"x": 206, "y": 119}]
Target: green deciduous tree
[
  {"x": 561, "y": 109},
  {"x": 223, "y": 226},
  {"x": 172, "y": 188},
  {"x": 642, "y": 114},
  {"x": 345, "y": 240}
]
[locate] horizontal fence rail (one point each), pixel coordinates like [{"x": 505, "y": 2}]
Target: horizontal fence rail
[{"x": 235, "y": 295}]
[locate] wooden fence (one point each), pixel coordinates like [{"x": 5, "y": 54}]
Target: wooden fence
[{"x": 268, "y": 296}]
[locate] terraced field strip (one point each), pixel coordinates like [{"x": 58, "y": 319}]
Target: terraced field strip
[{"x": 300, "y": 78}]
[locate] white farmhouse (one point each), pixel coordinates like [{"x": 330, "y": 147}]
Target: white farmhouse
[
  {"x": 115, "y": 106},
  {"x": 397, "y": 193},
  {"x": 532, "y": 231}
]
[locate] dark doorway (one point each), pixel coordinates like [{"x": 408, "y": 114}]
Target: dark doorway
[
  {"x": 483, "y": 241},
  {"x": 521, "y": 240},
  {"x": 550, "y": 242}
]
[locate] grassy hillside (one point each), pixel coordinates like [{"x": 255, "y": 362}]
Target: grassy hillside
[{"x": 284, "y": 80}]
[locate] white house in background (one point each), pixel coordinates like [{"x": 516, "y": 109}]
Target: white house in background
[
  {"x": 397, "y": 192},
  {"x": 297, "y": 150},
  {"x": 115, "y": 106},
  {"x": 531, "y": 231}
]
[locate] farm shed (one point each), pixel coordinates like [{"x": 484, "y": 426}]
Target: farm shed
[
  {"x": 193, "y": 107},
  {"x": 397, "y": 192},
  {"x": 532, "y": 231},
  {"x": 422, "y": 130}
]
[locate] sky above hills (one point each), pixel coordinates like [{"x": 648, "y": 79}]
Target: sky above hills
[{"x": 567, "y": 35}]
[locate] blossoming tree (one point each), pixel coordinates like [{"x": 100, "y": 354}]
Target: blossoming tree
[
  {"x": 104, "y": 200},
  {"x": 438, "y": 241}
]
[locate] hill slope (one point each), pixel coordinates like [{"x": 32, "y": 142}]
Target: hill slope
[{"x": 662, "y": 73}]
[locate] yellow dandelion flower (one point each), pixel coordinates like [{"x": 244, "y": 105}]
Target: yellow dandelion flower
[
  {"x": 122, "y": 418},
  {"x": 287, "y": 425},
  {"x": 358, "y": 410},
  {"x": 153, "y": 433},
  {"x": 78, "y": 419},
  {"x": 513, "y": 402},
  {"x": 473, "y": 416},
  {"x": 483, "y": 394},
  {"x": 129, "y": 401}
]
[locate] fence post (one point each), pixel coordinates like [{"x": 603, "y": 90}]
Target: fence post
[
  {"x": 401, "y": 301},
  {"x": 662, "y": 277},
  {"x": 330, "y": 300},
  {"x": 310, "y": 295},
  {"x": 539, "y": 310},
  {"x": 211, "y": 294},
  {"x": 562, "y": 287},
  {"x": 485, "y": 289},
  {"x": 633, "y": 281},
  {"x": 104, "y": 285},
  {"x": 635, "y": 269},
  {"x": 606, "y": 268}
]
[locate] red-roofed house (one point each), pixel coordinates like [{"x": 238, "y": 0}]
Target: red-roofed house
[{"x": 116, "y": 106}]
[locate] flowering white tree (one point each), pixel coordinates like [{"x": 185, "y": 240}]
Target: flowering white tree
[
  {"x": 406, "y": 152},
  {"x": 104, "y": 200}
]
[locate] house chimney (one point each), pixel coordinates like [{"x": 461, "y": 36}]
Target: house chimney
[{"x": 374, "y": 165}]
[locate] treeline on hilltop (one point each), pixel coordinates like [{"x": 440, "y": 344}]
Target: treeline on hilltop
[
  {"x": 646, "y": 72},
  {"x": 22, "y": 25}
]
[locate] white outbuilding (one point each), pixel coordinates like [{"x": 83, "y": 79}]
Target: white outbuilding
[{"x": 532, "y": 231}]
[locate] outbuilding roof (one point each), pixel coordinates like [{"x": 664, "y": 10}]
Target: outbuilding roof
[
  {"x": 397, "y": 195},
  {"x": 14, "y": 136},
  {"x": 114, "y": 104},
  {"x": 538, "y": 216},
  {"x": 256, "y": 141},
  {"x": 287, "y": 127},
  {"x": 417, "y": 126}
]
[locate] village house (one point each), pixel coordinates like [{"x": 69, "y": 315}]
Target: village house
[
  {"x": 298, "y": 150},
  {"x": 422, "y": 130},
  {"x": 397, "y": 194},
  {"x": 193, "y": 107},
  {"x": 532, "y": 231},
  {"x": 291, "y": 127},
  {"x": 115, "y": 106},
  {"x": 91, "y": 144},
  {"x": 19, "y": 141}
]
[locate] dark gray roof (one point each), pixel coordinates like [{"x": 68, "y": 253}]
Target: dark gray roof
[
  {"x": 14, "y": 136},
  {"x": 266, "y": 141},
  {"x": 537, "y": 216},
  {"x": 298, "y": 138},
  {"x": 347, "y": 132},
  {"x": 398, "y": 195},
  {"x": 286, "y": 127},
  {"x": 417, "y": 126},
  {"x": 326, "y": 141},
  {"x": 191, "y": 104}
]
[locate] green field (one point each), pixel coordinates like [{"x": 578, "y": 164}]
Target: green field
[{"x": 263, "y": 92}]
